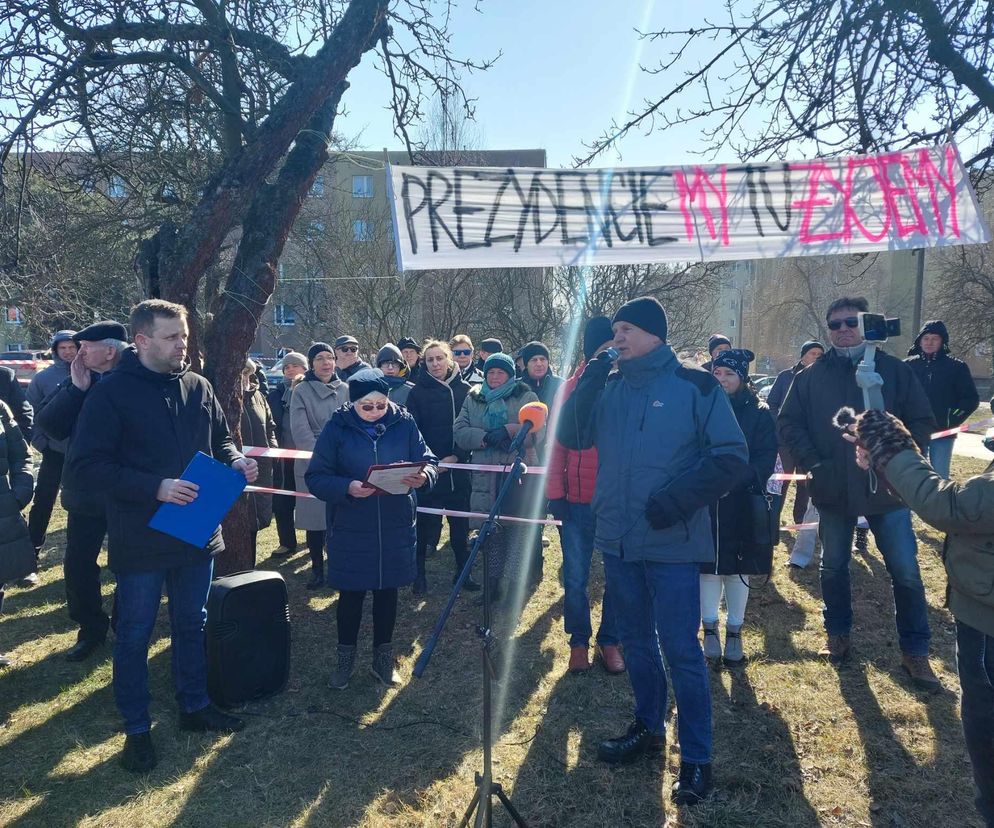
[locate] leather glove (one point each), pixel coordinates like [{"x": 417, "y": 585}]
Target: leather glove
[
  {"x": 661, "y": 511},
  {"x": 559, "y": 508},
  {"x": 595, "y": 373},
  {"x": 495, "y": 437}
]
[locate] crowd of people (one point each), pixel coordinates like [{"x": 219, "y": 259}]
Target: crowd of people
[{"x": 666, "y": 468}]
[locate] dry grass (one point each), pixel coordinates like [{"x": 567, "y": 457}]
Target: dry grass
[{"x": 797, "y": 744}]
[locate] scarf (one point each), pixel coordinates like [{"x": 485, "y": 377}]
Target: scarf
[
  {"x": 495, "y": 415},
  {"x": 287, "y": 393},
  {"x": 453, "y": 373},
  {"x": 310, "y": 376},
  {"x": 855, "y": 353},
  {"x": 395, "y": 382}
]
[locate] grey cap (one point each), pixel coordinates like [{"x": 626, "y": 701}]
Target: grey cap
[{"x": 346, "y": 340}]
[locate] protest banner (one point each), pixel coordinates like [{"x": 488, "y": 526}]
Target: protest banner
[{"x": 473, "y": 217}]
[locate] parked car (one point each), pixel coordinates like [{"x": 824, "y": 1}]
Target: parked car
[
  {"x": 26, "y": 363},
  {"x": 273, "y": 371}
]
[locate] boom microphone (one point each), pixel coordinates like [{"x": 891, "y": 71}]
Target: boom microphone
[{"x": 532, "y": 417}]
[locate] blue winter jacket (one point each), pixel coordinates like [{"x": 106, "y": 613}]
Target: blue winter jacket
[
  {"x": 370, "y": 540},
  {"x": 661, "y": 430}
]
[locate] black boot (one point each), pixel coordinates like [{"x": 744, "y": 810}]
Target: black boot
[
  {"x": 694, "y": 784},
  {"x": 316, "y": 581},
  {"x": 210, "y": 718},
  {"x": 860, "y": 544},
  {"x": 138, "y": 755},
  {"x": 638, "y": 741}
]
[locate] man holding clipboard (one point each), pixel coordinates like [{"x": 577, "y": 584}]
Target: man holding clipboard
[{"x": 138, "y": 430}]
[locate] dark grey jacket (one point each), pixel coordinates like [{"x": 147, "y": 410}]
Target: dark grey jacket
[{"x": 41, "y": 387}]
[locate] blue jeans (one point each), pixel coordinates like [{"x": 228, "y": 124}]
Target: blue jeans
[
  {"x": 975, "y": 663},
  {"x": 659, "y": 604},
  {"x": 138, "y": 597},
  {"x": 940, "y": 454},
  {"x": 578, "y": 549},
  {"x": 896, "y": 540}
]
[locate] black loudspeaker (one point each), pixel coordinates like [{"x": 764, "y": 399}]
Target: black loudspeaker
[{"x": 248, "y": 637}]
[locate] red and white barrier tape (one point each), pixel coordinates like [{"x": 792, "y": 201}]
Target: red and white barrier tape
[
  {"x": 424, "y": 509},
  {"x": 788, "y": 477},
  {"x": 300, "y": 454},
  {"x": 795, "y": 526},
  {"x": 965, "y": 427}
]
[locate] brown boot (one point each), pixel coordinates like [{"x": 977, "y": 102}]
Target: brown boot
[
  {"x": 921, "y": 672},
  {"x": 836, "y": 650},
  {"x": 611, "y": 658},
  {"x": 579, "y": 661}
]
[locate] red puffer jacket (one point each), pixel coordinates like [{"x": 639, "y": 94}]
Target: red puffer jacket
[{"x": 571, "y": 473}]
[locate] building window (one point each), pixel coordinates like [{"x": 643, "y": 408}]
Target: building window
[
  {"x": 362, "y": 186},
  {"x": 13, "y": 317},
  {"x": 284, "y": 315},
  {"x": 317, "y": 188},
  {"x": 732, "y": 323},
  {"x": 115, "y": 187},
  {"x": 362, "y": 231}
]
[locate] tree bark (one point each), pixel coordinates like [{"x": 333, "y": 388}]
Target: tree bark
[{"x": 250, "y": 284}]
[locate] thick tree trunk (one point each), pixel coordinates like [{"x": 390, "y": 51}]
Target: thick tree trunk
[{"x": 250, "y": 284}]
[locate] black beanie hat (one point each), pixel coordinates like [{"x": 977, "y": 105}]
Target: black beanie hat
[
  {"x": 737, "y": 359},
  {"x": 492, "y": 346},
  {"x": 533, "y": 349},
  {"x": 99, "y": 331},
  {"x": 716, "y": 340},
  {"x": 316, "y": 349},
  {"x": 645, "y": 313},
  {"x": 407, "y": 342},
  {"x": 596, "y": 333},
  {"x": 366, "y": 382},
  {"x": 811, "y": 343}
]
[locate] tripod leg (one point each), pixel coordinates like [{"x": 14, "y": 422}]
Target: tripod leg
[
  {"x": 506, "y": 800},
  {"x": 472, "y": 807}
]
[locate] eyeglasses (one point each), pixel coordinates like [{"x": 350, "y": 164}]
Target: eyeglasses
[
  {"x": 850, "y": 322},
  {"x": 462, "y": 351},
  {"x": 347, "y": 349},
  {"x": 374, "y": 406}
]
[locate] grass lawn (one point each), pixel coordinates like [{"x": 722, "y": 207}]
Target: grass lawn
[{"x": 796, "y": 743}]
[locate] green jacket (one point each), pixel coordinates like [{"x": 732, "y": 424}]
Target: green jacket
[{"x": 965, "y": 512}]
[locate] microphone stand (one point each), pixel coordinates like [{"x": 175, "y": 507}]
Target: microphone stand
[{"x": 486, "y": 788}]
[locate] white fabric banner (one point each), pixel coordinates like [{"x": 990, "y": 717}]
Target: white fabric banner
[{"x": 485, "y": 217}]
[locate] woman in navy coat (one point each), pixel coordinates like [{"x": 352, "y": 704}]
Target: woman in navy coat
[{"x": 371, "y": 539}]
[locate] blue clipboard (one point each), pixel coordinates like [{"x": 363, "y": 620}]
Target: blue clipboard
[{"x": 194, "y": 523}]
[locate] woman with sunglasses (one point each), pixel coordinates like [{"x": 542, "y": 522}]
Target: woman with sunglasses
[
  {"x": 486, "y": 426},
  {"x": 371, "y": 538},
  {"x": 437, "y": 398},
  {"x": 314, "y": 399}
]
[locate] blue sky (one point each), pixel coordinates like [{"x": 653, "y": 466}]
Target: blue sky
[{"x": 567, "y": 69}]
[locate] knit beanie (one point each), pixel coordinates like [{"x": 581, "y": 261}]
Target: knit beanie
[
  {"x": 532, "y": 349},
  {"x": 811, "y": 343},
  {"x": 407, "y": 342},
  {"x": 646, "y": 313},
  {"x": 492, "y": 346},
  {"x": 367, "y": 381},
  {"x": 716, "y": 340},
  {"x": 390, "y": 353},
  {"x": 294, "y": 358},
  {"x": 499, "y": 360},
  {"x": 596, "y": 333},
  {"x": 316, "y": 349},
  {"x": 737, "y": 359}
]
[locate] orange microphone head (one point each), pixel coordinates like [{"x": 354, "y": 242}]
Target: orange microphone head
[{"x": 535, "y": 413}]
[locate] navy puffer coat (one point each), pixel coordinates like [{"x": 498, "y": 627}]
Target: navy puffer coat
[{"x": 370, "y": 540}]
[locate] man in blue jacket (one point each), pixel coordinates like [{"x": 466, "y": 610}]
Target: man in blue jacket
[{"x": 668, "y": 446}]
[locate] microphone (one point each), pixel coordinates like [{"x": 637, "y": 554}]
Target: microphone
[
  {"x": 532, "y": 417},
  {"x": 608, "y": 355},
  {"x": 380, "y": 430}
]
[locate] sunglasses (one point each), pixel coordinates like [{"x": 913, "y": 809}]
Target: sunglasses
[
  {"x": 462, "y": 351},
  {"x": 850, "y": 322},
  {"x": 374, "y": 406},
  {"x": 348, "y": 349}
]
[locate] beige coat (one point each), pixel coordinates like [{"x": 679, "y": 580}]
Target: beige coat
[{"x": 311, "y": 406}]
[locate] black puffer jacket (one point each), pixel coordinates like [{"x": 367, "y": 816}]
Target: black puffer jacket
[
  {"x": 137, "y": 428},
  {"x": 781, "y": 385},
  {"x": 16, "y": 483},
  {"x": 731, "y": 517},
  {"x": 948, "y": 385},
  {"x": 435, "y": 406},
  {"x": 12, "y": 393},
  {"x": 805, "y": 428}
]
